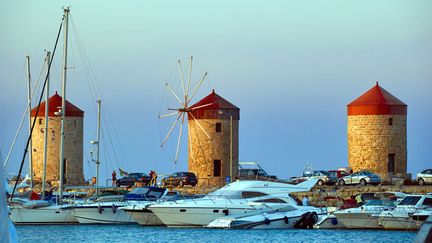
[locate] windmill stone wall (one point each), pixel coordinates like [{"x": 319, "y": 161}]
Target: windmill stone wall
[
  {"x": 221, "y": 122},
  {"x": 73, "y": 144}
]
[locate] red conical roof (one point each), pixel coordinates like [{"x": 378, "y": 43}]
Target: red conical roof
[
  {"x": 377, "y": 101},
  {"x": 215, "y": 101},
  {"x": 55, "y": 103},
  {"x": 214, "y": 106}
]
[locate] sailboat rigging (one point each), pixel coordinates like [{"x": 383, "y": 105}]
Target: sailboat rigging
[{"x": 37, "y": 110}]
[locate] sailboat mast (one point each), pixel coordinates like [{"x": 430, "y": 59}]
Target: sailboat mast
[
  {"x": 30, "y": 121},
  {"x": 48, "y": 60},
  {"x": 63, "y": 109},
  {"x": 98, "y": 145}
]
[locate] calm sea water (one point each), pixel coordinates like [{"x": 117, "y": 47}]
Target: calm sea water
[{"x": 136, "y": 233}]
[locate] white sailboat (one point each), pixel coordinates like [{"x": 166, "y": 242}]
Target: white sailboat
[
  {"x": 112, "y": 212},
  {"x": 43, "y": 212}
]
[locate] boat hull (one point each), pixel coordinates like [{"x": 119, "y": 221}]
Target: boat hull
[
  {"x": 193, "y": 217},
  {"x": 145, "y": 217},
  {"x": 329, "y": 222},
  {"x": 42, "y": 215},
  {"x": 102, "y": 215},
  {"x": 358, "y": 220},
  {"x": 399, "y": 223}
]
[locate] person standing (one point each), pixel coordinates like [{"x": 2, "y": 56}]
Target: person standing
[
  {"x": 114, "y": 178},
  {"x": 305, "y": 201}
]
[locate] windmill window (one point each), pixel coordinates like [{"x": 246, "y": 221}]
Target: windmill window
[
  {"x": 217, "y": 168},
  {"x": 391, "y": 121},
  {"x": 391, "y": 163},
  {"x": 218, "y": 127},
  {"x": 40, "y": 121},
  {"x": 75, "y": 123}
]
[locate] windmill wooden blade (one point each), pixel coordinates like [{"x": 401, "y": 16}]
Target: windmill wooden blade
[
  {"x": 181, "y": 78},
  {"x": 199, "y": 125},
  {"x": 171, "y": 129},
  {"x": 172, "y": 91},
  {"x": 189, "y": 78},
  {"x": 196, "y": 88},
  {"x": 179, "y": 139},
  {"x": 201, "y": 106},
  {"x": 169, "y": 114}
]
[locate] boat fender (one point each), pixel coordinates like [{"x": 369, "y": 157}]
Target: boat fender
[
  {"x": 267, "y": 221},
  {"x": 225, "y": 211},
  {"x": 114, "y": 209},
  {"x": 334, "y": 221},
  {"x": 286, "y": 220},
  {"x": 100, "y": 209}
]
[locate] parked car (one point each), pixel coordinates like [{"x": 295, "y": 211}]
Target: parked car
[
  {"x": 338, "y": 173},
  {"x": 180, "y": 179},
  {"x": 323, "y": 177},
  {"x": 253, "y": 171},
  {"x": 131, "y": 178},
  {"x": 360, "y": 177},
  {"x": 424, "y": 177}
]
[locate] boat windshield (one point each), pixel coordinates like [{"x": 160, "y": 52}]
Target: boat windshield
[
  {"x": 410, "y": 200},
  {"x": 380, "y": 203},
  {"x": 234, "y": 194},
  {"x": 225, "y": 194},
  {"x": 140, "y": 190},
  {"x": 155, "y": 193}
]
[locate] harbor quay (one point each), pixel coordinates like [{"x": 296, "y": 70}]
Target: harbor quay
[{"x": 329, "y": 196}]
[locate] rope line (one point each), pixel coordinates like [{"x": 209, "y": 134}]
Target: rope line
[{"x": 37, "y": 111}]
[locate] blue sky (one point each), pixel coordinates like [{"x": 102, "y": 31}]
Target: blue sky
[{"x": 291, "y": 66}]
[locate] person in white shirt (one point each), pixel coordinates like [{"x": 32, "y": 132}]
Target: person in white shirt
[{"x": 305, "y": 201}]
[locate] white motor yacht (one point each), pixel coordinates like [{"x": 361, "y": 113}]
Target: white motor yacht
[
  {"x": 364, "y": 217},
  {"x": 235, "y": 199},
  {"x": 284, "y": 218},
  {"x": 410, "y": 214},
  {"x": 111, "y": 212}
]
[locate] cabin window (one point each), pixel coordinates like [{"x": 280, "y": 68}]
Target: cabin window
[
  {"x": 272, "y": 200},
  {"x": 427, "y": 202},
  {"x": 391, "y": 121},
  {"x": 218, "y": 127},
  {"x": 247, "y": 194},
  {"x": 216, "y": 211},
  {"x": 40, "y": 121},
  {"x": 391, "y": 163},
  {"x": 217, "y": 168},
  {"x": 182, "y": 210}
]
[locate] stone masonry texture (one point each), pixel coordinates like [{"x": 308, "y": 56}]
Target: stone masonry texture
[
  {"x": 371, "y": 139},
  {"x": 202, "y": 151},
  {"x": 73, "y": 150}
]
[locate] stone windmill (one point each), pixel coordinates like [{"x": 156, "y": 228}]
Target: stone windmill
[
  {"x": 213, "y": 125},
  {"x": 73, "y": 148},
  {"x": 377, "y": 133}
]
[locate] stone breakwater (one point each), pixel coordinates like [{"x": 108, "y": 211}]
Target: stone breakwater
[{"x": 330, "y": 196}]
